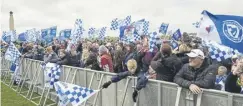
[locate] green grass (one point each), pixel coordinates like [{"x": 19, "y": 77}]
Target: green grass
[{"x": 11, "y": 98}]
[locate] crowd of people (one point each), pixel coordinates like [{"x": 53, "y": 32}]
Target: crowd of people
[{"x": 190, "y": 66}]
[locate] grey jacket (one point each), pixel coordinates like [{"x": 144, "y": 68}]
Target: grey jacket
[
  {"x": 53, "y": 58},
  {"x": 203, "y": 77}
]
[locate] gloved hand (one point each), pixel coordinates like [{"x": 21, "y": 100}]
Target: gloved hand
[
  {"x": 105, "y": 85},
  {"x": 43, "y": 63},
  {"x": 134, "y": 95}
]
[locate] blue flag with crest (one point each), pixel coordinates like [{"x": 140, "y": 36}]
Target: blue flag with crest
[{"x": 225, "y": 29}]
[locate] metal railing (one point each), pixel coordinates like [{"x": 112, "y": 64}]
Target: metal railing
[{"x": 156, "y": 93}]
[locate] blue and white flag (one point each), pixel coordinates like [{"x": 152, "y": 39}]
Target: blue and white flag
[
  {"x": 220, "y": 52},
  {"x": 92, "y": 32},
  {"x": 77, "y": 31},
  {"x": 12, "y": 54},
  {"x": 22, "y": 37},
  {"x": 176, "y": 35},
  {"x": 141, "y": 27},
  {"x": 64, "y": 34},
  {"x": 48, "y": 34},
  {"x": 224, "y": 29},
  {"x": 117, "y": 23},
  {"x": 9, "y": 36},
  {"x": 152, "y": 41},
  {"x": 102, "y": 33},
  {"x": 52, "y": 73},
  {"x": 74, "y": 94},
  {"x": 174, "y": 44},
  {"x": 33, "y": 35},
  {"x": 163, "y": 28}
]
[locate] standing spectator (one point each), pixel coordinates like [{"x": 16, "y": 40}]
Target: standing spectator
[
  {"x": 92, "y": 59},
  {"x": 50, "y": 55},
  {"x": 73, "y": 57},
  {"x": 119, "y": 56},
  {"x": 63, "y": 60},
  {"x": 130, "y": 52},
  {"x": 197, "y": 73},
  {"x": 220, "y": 78},
  {"x": 231, "y": 81},
  {"x": 105, "y": 59}
]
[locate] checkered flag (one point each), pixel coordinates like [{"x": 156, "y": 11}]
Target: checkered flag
[
  {"x": 52, "y": 73},
  {"x": 9, "y": 36},
  {"x": 152, "y": 41},
  {"x": 220, "y": 52},
  {"x": 145, "y": 27},
  {"x": 77, "y": 31},
  {"x": 12, "y": 54},
  {"x": 91, "y": 31},
  {"x": 116, "y": 23},
  {"x": 74, "y": 94},
  {"x": 136, "y": 37},
  {"x": 102, "y": 33}
]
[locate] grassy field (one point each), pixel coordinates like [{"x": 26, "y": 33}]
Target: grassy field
[{"x": 10, "y": 98}]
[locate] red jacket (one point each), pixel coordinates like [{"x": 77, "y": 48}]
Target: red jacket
[{"x": 106, "y": 62}]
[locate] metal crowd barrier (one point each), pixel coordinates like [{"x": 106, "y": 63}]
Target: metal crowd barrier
[{"x": 156, "y": 93}]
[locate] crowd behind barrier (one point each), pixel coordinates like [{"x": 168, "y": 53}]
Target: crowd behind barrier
[
  {"x": 156, "y": 93},
  {"x": 131, "y": 67}
]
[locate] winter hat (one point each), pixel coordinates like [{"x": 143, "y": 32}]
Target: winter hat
[
  {"x": 102, "y": 49},
  {"x": 132, "y": 65}
]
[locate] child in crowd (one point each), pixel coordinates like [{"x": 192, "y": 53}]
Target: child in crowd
[{"x": 220, "y": 78}]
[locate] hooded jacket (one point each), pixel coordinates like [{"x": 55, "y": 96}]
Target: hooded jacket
[{"x": 203, "y": 77}]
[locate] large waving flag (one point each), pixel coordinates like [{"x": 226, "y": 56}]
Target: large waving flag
[
  {"x": 64, "y": 34},
  {"x": 48, "y": 34},
  {"x": 225, "y": 29},
  {"x": 117, "y": 23},
  {"x": 141, "y": 26},
  {"x": 74, "y": 94},
  {"x": 52, "y": 73},
  {"x": 163, "y": 28},
  {"x": 12, "y": 54}
]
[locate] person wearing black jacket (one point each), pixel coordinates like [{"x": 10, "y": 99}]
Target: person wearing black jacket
[
  {"x": 197, "y": 73},
  {"x": 231, "y": 80}
]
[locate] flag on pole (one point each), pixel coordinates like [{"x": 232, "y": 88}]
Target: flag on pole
[
  {"x": 102, "y": 33},
  {"x": 9, "y": 36},
  {"x": 176, "y": 35},
  {"x": 116, "y": 23},
  {"x": 48, "y": 34},
  {"x": 224, "y": 29},
  {"x": 12, "y": 54},
  {"x": 163, "y": 28},
  {"x": 77, "y": 31},
  {"x": 33, "y": 35},
  {"x": 74, "y": 94},
  {"x": 152, "y": 41},
  {"x": 64, "y": 34}
]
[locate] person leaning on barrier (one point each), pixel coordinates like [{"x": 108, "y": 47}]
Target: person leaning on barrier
[
  {"x": 50, "y": 55},
  {"x": 197, "y": 73},
  {"x": 231, "y": 81}
]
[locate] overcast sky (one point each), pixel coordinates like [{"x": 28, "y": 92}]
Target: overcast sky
[{"x": 99, "y": 13}]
